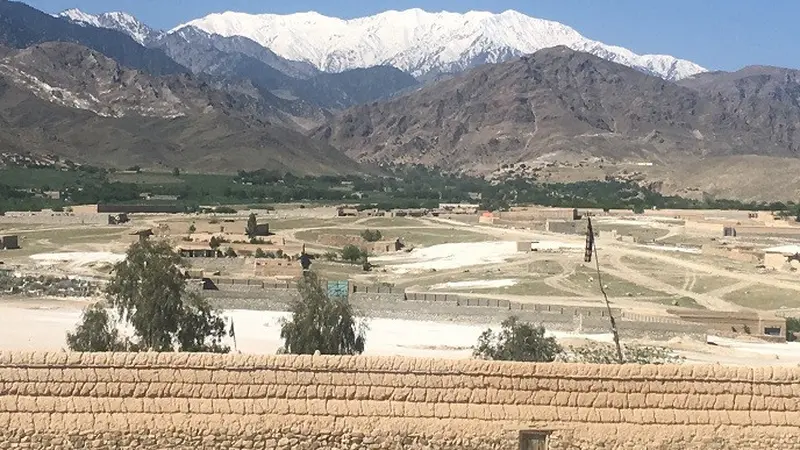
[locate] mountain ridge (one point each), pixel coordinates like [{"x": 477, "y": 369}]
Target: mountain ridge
[
  {"x": 556, "y": 104},
  {"x": 420, "y": 42},
  {"x": 22, "y": 26},
  {"x": 66, "y": 99}
]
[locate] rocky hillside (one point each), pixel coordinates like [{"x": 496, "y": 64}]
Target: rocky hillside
[
  {"x": 555, "y": 104},
  {"x": 22, "y": 26},
  {"x": 65, "y": 99}
]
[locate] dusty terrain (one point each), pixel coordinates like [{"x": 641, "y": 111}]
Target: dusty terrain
[{"x": 667, "y": 268}]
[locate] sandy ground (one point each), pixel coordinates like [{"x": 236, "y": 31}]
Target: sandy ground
[
  {"x": 476, "y": 284},
  {"x": 43, "y": 324}
]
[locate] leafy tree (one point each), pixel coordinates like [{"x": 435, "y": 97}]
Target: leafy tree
[
  {"x": 260, "y": 253},
  {"x": 792, "y": 327},
  {"x": 353, "y": 254},
  {"x": 517, "y": 341},
  {"x": 215, "y": 242},
  {"x": 201, "y": 327},
  {"x": 176, "y": 172},
  {"x": 320, "y": 323},
  {"x": 371, "y": 235},
  {"x": 192, "y": 228},
  {"x": 230, "y": 253},
  {"x": 595, "y": 353},
  {"x": 148, "y": 291},
  {"x": 252, "y": 224},
  {"x": 96, "y": 332}
]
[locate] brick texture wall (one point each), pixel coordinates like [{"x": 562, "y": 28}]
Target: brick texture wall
[{"x": 182, "y": 401}]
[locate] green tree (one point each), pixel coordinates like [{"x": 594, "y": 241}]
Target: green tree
[
  {"x": 176, "y": 172},
  {"x": 201, "y": 329},
  {"x": 353, "y": 254},
  {"x": 260, "y": 253},
  {"x": 192, "y": 229},
  {"x": 96, "y": 332},
  {"x": 320, "y": 323},
  {"x": 230, "y": 253},
  {"x": 252, "y": 224},
  {"x": 792, "y": 327},
  {"x": 148, "y": 291},
  {"x": 517, "y": 341},
  {"x": 214, "y": 243},
  {"x": 371, "y": 235}
]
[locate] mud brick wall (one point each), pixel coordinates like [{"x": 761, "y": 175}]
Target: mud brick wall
[{"x": 194, "y": 401}]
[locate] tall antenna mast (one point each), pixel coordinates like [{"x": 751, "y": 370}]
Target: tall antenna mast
[{"x": 591, "y": 247}]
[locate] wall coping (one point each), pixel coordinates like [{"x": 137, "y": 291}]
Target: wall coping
[{"x": 411, "y": 366}]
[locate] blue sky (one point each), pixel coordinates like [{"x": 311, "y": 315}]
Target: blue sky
[{"x": 717, "y": 34}]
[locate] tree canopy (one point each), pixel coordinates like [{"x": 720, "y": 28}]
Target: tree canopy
[
  {"x": 252, "y": 224},
  {"x": 517, "y": 341},
  {"x": 320, "y": 323},
  {"x": 148, "y": 292},
  {"x": 96, "y": 332}
]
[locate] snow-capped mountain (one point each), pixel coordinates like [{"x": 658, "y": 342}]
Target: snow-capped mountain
[
  {"x": 119, "y": 21},
  {"x": 420, "y": 42}
]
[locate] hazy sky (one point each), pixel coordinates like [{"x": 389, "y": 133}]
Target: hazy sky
[{"x": 717, "y": 34}]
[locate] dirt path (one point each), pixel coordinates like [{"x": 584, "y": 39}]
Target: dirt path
[{"x": 619, "y": 269}]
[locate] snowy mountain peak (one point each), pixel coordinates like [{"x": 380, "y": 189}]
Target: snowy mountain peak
[
  {"x": 420, "y": 42},
  {"x": 115, "y": 20},
  {"x": 79, "y": 17}
]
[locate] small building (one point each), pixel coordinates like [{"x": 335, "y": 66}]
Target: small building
[
  {"x": 737, "y": 323},
  {"x": 346, "y": 211},
  {"x": 524, "y": 246},
  {"x": 459, "y": 208},
  {"x": 9, "y": 242},
  {"x": 143, "y": 234},
  {"x": 198, "y": 251},
  {"x": 781, "y": 258},
  {"x": 486, "y": 218},
  {"x": 262, "y": 229}
]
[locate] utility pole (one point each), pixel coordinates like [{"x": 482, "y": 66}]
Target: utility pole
[{"x": 591, "y": 247}]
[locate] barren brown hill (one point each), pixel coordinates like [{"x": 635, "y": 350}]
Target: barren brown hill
[
  {"x": 560, "y": 105},
  {"x": 66, "y": 99}
]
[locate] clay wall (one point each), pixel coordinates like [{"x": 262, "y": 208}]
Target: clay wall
[{"x": 192, "y": 401}]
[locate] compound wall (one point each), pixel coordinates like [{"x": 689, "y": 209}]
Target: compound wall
[{"x": 193, "y": 401}]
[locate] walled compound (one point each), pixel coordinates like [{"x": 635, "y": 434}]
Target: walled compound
[{"x": 195, "y": 401}]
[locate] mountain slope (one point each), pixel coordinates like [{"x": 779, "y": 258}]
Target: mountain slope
[
  {"x": 244, "y": 46},
  {"x": 215, "y": 55},
  {"x": 22, "y": 26},
  {"x": 557, "y": 104},
  {"x": 421, "y": 43},
  {"x": 120, "y": 21},
  {"x": 758, "y": 98},
  {"x": 69, "y": 100}
]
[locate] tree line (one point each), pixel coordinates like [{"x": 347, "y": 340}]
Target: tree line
[{"x": 400, "y": 187}]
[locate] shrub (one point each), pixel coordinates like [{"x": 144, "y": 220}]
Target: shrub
[
  {"x": 260, "y": 253},
  {"x": 371, "y": 235},
  {"x": 517, "y": 341},
  {"x": 323, "y": 324},
  {"x": 230, "y": 253},
  {"x": 792, "y": 327},
  {"x": 224, "y": 210},
  {"x": 353, "y": 254}
]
